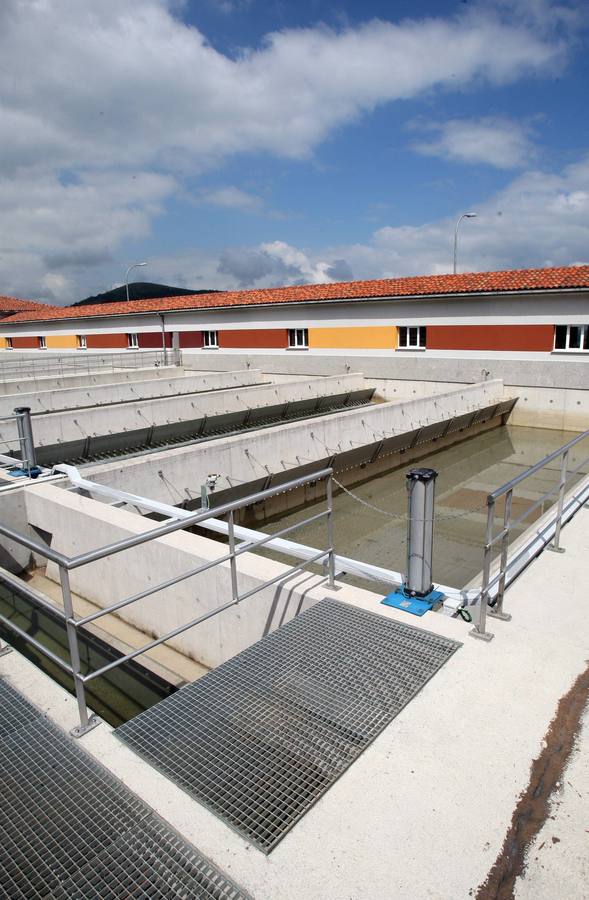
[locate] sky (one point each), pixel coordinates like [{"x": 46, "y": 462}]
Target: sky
[{"x": 253, "y": 143}]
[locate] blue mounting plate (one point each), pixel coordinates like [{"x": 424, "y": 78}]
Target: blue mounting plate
[{"x": 417, "y": 606}]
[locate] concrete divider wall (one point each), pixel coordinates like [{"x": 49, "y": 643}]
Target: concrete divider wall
[
  {"x": 55, "y": 428},
  {"x": 175, "y": 475},
  {"x": 79, "y": 524},
  {"x": 538, "y": 407},
  {"x": 177, "y": 383},
  {"x": 19, "y": 386},
  {"x": 408, "y": 366},
  {"x": 557, "y": 389}
]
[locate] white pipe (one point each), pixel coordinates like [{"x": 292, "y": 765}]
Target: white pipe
[
  {"x": 470, "y": 597},
  {"x": 299, "y": 551}
]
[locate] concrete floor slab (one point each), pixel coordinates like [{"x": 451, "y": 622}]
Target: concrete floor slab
[{"x": 424, "y": 811}]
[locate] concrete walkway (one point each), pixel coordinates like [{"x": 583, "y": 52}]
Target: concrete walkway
[
  {"x": 423, "y": 813},
  {"x": 557, "y": 863}
]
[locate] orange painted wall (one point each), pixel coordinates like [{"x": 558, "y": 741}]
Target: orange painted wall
[
  {"x": 490, "y": 337},
  {"x": 276, "y": 338},
  {"x": 63, "y": 341},
  {"x": 25, "y": 343},
  {"x": 107, "y": 341},
  {"x": 374, "y": 338}
]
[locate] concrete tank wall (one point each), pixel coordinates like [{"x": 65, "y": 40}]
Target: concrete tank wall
[
  {"x": 78, "y": 524},
  {"x": 408, "y": 366},
  {"x": 56, "y": 428},
  {"x": 48, "y": 401},
  {"x": 175, "y": 476},
  {"x": 557, "y": 390},
  {"x": 18, "y": 386}
]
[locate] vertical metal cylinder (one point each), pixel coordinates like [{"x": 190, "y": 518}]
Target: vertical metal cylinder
[
  {"x": 421, "y": 485},
  {"x": 25, "y": 434}
]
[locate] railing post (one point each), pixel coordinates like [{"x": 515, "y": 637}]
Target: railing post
[
  {"x": 232, "y": 561},
  {"x": 330, "y": 536},
  {"x": 479, "y": 629},
  {"x": 555, "y": 545},
  {"x": 25, "y": 435},
  {"x": 86, "y": 722},
  {"x": 497, "y": 611}
]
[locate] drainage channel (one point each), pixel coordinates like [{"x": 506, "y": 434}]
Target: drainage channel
[{"x": 117, "y": 696}]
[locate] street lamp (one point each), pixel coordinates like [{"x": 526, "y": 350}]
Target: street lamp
[
  {"x": 463, "y": 216},
  {"x": 134, "y": 266}
]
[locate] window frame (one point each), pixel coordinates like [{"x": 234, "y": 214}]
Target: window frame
[
  {"x": 82, "y": 342},
  {"x": 132, "y": 340},
  {"x": 210, "y": 339},
  {"x": 421, "y": 337},
  {"x": 42, "y": 342},
  {"x": 293, "y": 338},
  {"x": 9, "y": 344},
  {"x": 583, "y": 339}
]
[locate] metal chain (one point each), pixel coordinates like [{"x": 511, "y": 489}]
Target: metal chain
[{"x": 403, "y": 516}]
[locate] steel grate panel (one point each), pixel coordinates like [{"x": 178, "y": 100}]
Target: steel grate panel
[
  {"x": 68, "y": 828},
  {"x": 15, "y": 711},
  {"x": 262, "y": 737},
  {"x": 127, "y": 867}
]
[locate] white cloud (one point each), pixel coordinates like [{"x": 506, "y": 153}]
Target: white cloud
[
  {"x": 500, "y": 142},
  {"x": 232, "y": 197},
  {"x": 538, "y": 220},
  {"x": 106, "y": 105}
]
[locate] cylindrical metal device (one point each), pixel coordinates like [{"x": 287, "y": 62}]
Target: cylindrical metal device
[
  {"x": 25, "y": 434},
  {"x": 421, "y": 486}
]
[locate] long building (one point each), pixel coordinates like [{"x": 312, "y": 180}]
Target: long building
[{"x": 529, "y": 313}]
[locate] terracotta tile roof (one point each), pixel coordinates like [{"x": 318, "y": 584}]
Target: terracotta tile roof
[
  {"x": 428, "y": 285},
  {"x": 14, "y": 305}
]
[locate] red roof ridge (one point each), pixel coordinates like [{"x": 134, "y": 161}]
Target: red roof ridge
[{"x": 552, "y": 278}]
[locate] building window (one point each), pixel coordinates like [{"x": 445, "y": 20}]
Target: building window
[
  {"x": 81, "y": 342},
  {"x": 298, "y": 338},
  {"x": 9, "y": 343},
  {"x": 412, "y": 337},
  {"x": 571, "y": 337},
  {"x": 210, "y": 339},
  {"x": 132, "y": 342},
  {"x": 42, "y": 343}
]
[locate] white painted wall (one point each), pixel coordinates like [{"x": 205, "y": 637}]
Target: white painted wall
[{"x": 563, "y": 307}]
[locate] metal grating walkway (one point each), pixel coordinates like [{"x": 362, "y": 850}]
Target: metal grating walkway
[
  {"x": 69, "y": 829},
  {"x": 261, "y": 738}
]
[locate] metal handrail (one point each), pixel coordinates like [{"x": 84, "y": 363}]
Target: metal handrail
[
  {"x": 503, "y": 535},
  {"x": 509, "y": 485},
  {"x": 82, "y": 362},
  {"x": 67, "y": 563}
]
